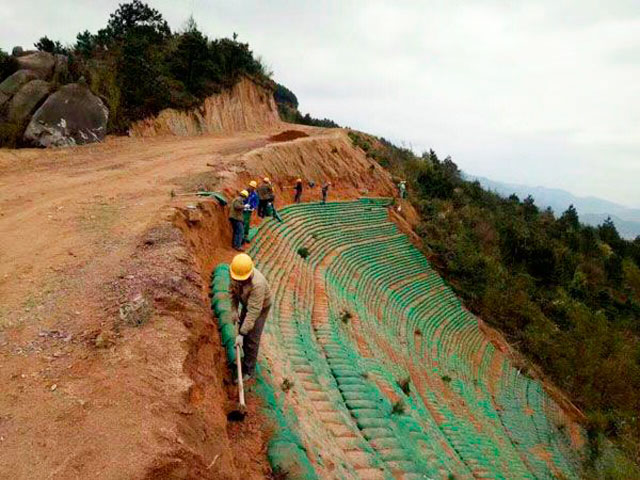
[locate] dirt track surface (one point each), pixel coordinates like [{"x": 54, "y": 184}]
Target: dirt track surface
[{"x": 109, "y": 360}]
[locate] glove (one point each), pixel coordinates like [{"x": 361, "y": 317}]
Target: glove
[{"x": 239, "y": 341}]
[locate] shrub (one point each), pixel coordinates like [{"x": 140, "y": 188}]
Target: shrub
[
  {"x": 398, "y": 408},
  {"x": 303, "y": 252},
  {"x": 405, "y": 385}
]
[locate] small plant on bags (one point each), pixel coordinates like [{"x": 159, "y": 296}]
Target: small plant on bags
[{"x": 303, "y": 252}]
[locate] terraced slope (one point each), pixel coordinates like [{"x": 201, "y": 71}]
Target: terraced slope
[{"x": 391, "y": 376}]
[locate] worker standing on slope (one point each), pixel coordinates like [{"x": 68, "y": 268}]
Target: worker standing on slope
[
  {"x": 236, "y": 212},
  {"x": 298, "y": 189},
  {"x": 265, "y": 196},
  {"x": 325, "y": 191},
  {"x": 250, "y": 291},
  {"x": 250, "y": 204}
]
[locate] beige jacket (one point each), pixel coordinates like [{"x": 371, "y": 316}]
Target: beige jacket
[
  {"x": 255, "y": 298},
  {"x": 236, "y": 209}
]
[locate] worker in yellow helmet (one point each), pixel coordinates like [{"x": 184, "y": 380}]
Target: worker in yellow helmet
[
  {"x": 266, "y": 197},
  {"x": 236, "y": 218},
  {"x": 250, "y": 204},
  {"x": 251, "y": 293}
]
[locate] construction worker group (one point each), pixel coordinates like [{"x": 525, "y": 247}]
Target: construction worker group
[
  {"x": 249, "y": 290},
  {"x": 260, "y": 198}
]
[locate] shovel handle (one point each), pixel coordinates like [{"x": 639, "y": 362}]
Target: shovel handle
[{"x": 240, "y": 382}]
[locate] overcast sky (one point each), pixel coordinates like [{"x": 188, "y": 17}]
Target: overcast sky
[{"x": 542, "y": 92}]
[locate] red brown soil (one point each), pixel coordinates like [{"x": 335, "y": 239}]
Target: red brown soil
[
  {"x": 288, "y": 135},
  {"x": 85, "y": 231}
]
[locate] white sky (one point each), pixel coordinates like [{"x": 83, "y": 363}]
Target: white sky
[{"x": 542, "y": 92}]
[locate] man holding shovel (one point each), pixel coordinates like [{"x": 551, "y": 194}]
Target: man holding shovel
[{"x": 250, "y": 291}]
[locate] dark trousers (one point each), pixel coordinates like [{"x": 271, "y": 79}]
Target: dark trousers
[
  {"x": 298, "y": 196},
  {"x": 262, "y": 208},
  {"x": 237, "y": 227},
  {"x": 251, "y": 342},
  {"x": 246, "y": 225}
]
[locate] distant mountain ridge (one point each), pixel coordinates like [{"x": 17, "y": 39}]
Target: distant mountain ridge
[{"x": 592, "y": 210}]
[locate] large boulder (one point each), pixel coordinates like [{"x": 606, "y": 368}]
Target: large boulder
[
  {"x": 17, "y": 51},
  {"x": 60, "y": 69},
  {"x": 71, "y": 116},
  {"x": 41, "y": 63},
  {"x": 26, "y": 100},
  {"x": 10, "y": 86}
]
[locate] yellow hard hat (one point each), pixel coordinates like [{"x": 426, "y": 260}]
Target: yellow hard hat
[
  {"x": 241, "y": 267},
  {"x": 244, "y": 193},
  {"x": 266, "y": 179},
  {"x": 253, "y": 183}
]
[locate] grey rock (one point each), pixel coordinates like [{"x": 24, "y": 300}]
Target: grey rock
[
  {"x": 14, "y": 82},
  {"x": 71, "y": 116},
  {"x": 17, "y": 51},
  {"x": 61, "y": 68},
  {"x": 41, "y": 63},
  {"x": 26, "y": 100}
]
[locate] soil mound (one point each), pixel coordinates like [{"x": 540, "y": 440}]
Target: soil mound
[{"x": 288, "y": 135}]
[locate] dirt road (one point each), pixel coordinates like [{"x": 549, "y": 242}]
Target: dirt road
[{"x": 108, "y": 361}]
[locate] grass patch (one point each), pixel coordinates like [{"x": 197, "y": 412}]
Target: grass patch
[
  {"x": 345, "y": 316},
  {"x": 405, "y": 385},
  {"x": 446, "y": 378},
  {"x": 286, "y": 385},
  {"x": 398, "y": 408}
]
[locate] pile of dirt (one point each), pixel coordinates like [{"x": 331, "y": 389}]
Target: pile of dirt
[{"x": 288, "y": 135}]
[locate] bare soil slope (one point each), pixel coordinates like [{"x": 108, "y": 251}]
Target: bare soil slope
[{"x": 110, "y": 362}]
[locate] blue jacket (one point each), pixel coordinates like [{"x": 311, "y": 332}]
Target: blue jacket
[{"x": 252, "y": 200}]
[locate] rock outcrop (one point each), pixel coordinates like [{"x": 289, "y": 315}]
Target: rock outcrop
[
  {"x": 26, "y": 100},
  {"x": 40, "y": 63},
  {"x": 10, "y": 86},
  {"x": 246, "y": 106},
  {"x": 71, "y": 116}
]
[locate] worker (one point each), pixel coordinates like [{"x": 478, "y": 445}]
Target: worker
[
  {"x": 250, "y": 291},
  {"x": 325, "y": 191},
  {"x": 237, "y": 220},
  {"x": 402, "y": 188},
  {"x": 298, "y": 189},
  {"x": 265, "y": 196},
  {"x": 250, "y": 204}
]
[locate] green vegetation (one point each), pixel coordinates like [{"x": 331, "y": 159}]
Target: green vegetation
[
  {"x": 345, "y": 316},
  {"x": 565, "y": 294},
  {"x": 398, "y": 407},
  {"x": 303, "y": 252},
  {"x": 8, "y": 65},
  {"x": 139, "y": 66},
  {"x": 287, "y": 104},
  {"x": 45, "y": 44}
]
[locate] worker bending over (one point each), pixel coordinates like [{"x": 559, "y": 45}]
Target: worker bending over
[
  {"x": 265, "y": 196},
  {"x": 250, "y": 291},
  {"x": 236, "y": 212},
  {"x": 250, "y": 204}
]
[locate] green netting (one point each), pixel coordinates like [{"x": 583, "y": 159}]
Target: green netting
[{"x": 475, "y": 429}]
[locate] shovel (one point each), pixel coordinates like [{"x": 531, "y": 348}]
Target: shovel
[{"x": 238, "y": 414}]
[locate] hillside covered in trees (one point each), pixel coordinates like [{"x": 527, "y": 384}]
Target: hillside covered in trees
[{"x": 566, "y": 294}]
